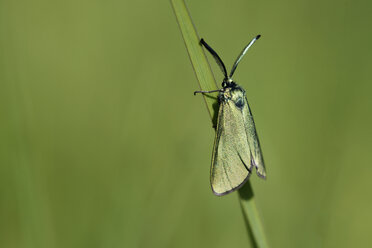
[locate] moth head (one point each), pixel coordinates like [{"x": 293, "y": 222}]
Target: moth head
[{"x": 228, "y": 82}]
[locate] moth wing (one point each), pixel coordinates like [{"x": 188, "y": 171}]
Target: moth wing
[
  {"x": 231, "y": 158},
  {"x": 254, "y": 144}
]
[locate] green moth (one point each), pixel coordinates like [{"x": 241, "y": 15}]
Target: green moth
[{"x": 236, "y": 148}]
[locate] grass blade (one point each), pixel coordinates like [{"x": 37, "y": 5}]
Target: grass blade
[{"x": 197, "y": 56}]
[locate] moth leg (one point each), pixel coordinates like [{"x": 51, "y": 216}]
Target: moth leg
[{"x": 205, "y": 91}]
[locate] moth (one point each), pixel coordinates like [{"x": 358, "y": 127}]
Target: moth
[{"x": 236, "y": 150}]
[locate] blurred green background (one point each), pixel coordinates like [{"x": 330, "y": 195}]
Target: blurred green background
[{"x": 102, "y": 143}]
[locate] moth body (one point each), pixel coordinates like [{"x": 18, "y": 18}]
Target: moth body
[{"x": 236, "y": 150}]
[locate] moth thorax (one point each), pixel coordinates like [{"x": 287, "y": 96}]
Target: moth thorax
[{"x": 236, "y": 94}]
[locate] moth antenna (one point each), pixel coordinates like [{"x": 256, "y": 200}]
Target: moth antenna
[
  {"x": 242, "y": 54},
  {"x": 215, "y": 56}
]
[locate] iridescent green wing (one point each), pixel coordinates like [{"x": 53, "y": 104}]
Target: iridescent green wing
[
  {"x": 231, "y": 159},
  {"x": 254, "y": 144}
]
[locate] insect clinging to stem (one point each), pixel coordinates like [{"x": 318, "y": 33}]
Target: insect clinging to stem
[{"x": 236, "y": 148}]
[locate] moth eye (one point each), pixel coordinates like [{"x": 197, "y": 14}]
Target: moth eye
[{"x": 239, "y": 102}]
